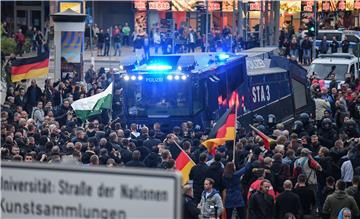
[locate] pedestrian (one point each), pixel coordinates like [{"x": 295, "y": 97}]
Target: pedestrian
[
  {"x": 117, "y": 43},
  {"x": 345, "y": 213},
  {"x": 100, "y": 42},
  {"x": 306, "y": 195},
  {"x": 198, "y": 175},
  {"x": 146, "y": 47},
  {"x": 334, "y": 45},
  {"x": 38, "y": 114},
  {"x": 190, "y": 210},
  {"x": 345, "y": 45},
  {"x": 20, "y": 40},
  {"x": 354, "y": 189},
  {"x": 324, "y": 46},
  {"x": 306, "y": 46},
  {"x": 215, "y": 172},
  {"x": 338, "y": 200},
  {"x": 33, "y": 95},
  {"x": 107, "y": 42},
  {"x": 233, "y": 198},
  {"x": 294, "y": 48},
  {"x": 288, "y": 201},
  {"x": 211, "y": 203},
  {"x": 261, "y": 204},
  {"x": 157, "y": 40},
  {"x": 39, "y": 42},
  {"x": 126, "y": 34}
]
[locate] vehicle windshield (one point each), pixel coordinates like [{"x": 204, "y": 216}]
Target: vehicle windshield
[
  {"x": 324, "y": 70},
  {"x": 166, "y": 98}
]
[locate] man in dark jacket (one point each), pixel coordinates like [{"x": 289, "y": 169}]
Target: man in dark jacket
[
  {"x": 61, "y": 112},
  {"x": 306, "y": 195},
  {"x": 198, "y": 175},
  {"x": 135, "y": 162},
  {"x": 215, "y": 172},
  {"x": 280, "y": 172},
  {"x": 190, "y": 209},
  {"x": 20, "y": 100},
  {"x": 334, "y": 45},
  {"x": 152, "y": 141},
  {"x": 261, "y": 204},
  {"x": 33, "y": 96},
  {"x": 323, "y": 46},
  {"x": 345, "y": 45},
  {"x": 288, "y": 201},
  {"x": 338, "y": 200}
]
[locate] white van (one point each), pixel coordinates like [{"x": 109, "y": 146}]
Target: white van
[
  {"x": 352, "y": 36},
  {"x": 345, "y": 65}
]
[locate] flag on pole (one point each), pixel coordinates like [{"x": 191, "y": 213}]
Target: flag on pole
[
  {"x": 28, "y": 68},
  {"x": 183, "y": 162},
  {"x": 224, "y": 130},
  {"x": 93, "y": 105},
  {"x": 266, "y": 139}
]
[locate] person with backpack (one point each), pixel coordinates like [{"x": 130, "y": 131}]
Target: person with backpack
[
  {"x": 306, "y": 165},
  {"x": 20, "y": 41}
]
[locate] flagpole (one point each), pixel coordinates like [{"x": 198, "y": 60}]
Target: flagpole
[
  {"x": 183, "y": 151},
  {"x": 235, "y": 125}
]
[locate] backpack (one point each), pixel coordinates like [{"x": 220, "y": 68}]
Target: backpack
[{"x": 298, "y": 168}]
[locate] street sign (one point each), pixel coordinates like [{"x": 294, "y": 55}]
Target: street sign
[{"x": 49, "y": 191}]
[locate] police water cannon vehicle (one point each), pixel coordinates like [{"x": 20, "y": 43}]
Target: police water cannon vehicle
[{"x": 198, "y": 87}]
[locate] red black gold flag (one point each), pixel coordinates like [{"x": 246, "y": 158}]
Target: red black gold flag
[
  {"x": 266, "y": 139},
  {"x": 224, "y": 130},
  {"x": 183, "y": 163},
  {"x": 28, "y": 68}
]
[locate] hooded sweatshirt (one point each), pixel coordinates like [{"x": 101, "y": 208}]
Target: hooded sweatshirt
[{"x": 338, "y": 200}]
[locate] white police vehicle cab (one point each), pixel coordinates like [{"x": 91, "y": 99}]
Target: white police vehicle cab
[{"x": 343, "y": 65}]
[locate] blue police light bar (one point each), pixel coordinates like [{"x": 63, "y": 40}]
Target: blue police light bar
[
  {"x": 223, "y": 56},
  {"x": 159, "y": 67},
  {"x": 170, "y": 77}
]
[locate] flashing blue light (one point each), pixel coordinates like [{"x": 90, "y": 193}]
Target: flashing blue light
[
  {"x": 133, "y": 77},
  {"x": 158, "y": 67},
  {"x": 169, "y": 77},
  {"x": 140, "y": 77},
  {"x": 183, "y": 77},
  {"x": 126, "y": 77},
  {"x": 177, "y": 77},
  {"x": 223, "y": 56}
]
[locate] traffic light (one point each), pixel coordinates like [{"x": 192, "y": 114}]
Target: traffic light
[{"x": 311, "y": 28}]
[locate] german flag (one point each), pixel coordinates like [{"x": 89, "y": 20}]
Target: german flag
[
  {"x": 224, "y": 130},
  {"x": 183, "y": 162},
  {"x": 28, "y": 68},
  {"x": 266, "y": 139}
]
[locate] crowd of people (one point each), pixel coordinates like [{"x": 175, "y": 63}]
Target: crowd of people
[{"x": 310, "y": 170}]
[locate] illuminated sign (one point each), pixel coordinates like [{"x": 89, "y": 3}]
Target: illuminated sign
[
  {"x": 254, "y": 6},
  {"x": 75, "y": 6},
  {"x": 214, "y": 6},
  {"x": 140, "y": 5},
  {"x": 307, "y": 6},
  {"x": 159, "y": 6}
]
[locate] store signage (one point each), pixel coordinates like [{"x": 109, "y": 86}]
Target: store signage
[
  {"x": 159, "y": 6},
  {"x": 140, "y": 5},
  {"x": 357, "y": 5},
  {"x": 307, "y": 6},
  {"x": 254, "y": 6},
  {"x": 214, "y": 6}
]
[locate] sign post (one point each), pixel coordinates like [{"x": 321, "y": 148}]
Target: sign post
[{"x": 61, "y": 191}]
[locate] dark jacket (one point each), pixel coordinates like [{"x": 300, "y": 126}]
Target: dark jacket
[
  {"x": 345, "y": 46},
  {"x": 135, "y": 163},
  {"x": 20, "y": 102},
  {"x": 334, "y": 46},
  {"x": 338, "y": 200},
  {"x": 198, "y": 175},
  {"x": 215, "y": 172},
  {"x": 323, "y": 48},
  {"x": 288, "y": 201},
  {"x": 234, "y": 196},
  {"x": 153, "y": 160},
  {"x": 190, "y": 210},
  {"x": 261, "y": 206},
  {"x": 280, "y": 172},
  {"x": 151, "y": 142},
  {"x": 307, "y": 198}
]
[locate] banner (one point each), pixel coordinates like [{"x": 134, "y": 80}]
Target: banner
[{"x": 71, "y": 43}]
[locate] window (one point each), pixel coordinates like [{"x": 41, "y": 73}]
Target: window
[
  {"x": 329, "y": 36},
  {"x": 158, "y": 99},
  {"x": 323, "y": 70},
  {"x": 353, "y": 38},
  {"x": 299, "y": 94}
]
